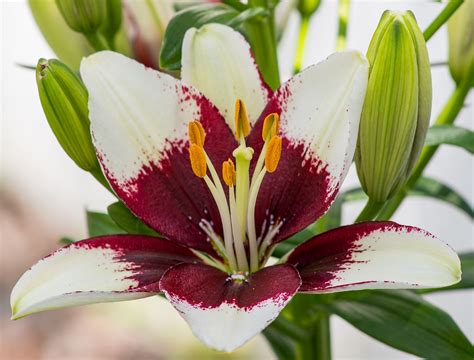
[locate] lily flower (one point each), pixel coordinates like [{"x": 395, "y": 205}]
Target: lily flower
[{"x": 225, "y": 169}]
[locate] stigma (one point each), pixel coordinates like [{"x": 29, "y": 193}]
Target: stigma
[{"x": 238, "y": 245}]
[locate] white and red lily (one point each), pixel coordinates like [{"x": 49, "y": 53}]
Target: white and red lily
[{"x": 220, "y": 229}]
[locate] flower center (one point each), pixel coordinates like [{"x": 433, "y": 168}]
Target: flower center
[{"x": 239, "y": 246}]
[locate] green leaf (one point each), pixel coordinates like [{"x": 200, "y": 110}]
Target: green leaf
[
  {"x": 283, "y": 347},
  {"x": 403, "y": 320},
  {"x": 66, "y": 240},
  {"x": 435, "y": 189},
  {"x": 197, "y": 16},
  {"x": 467, "y": 281},
  {"x": 452, "y": 135},
  {"x": 127, "y": 221},
  {"x": 101, "y": 224}
]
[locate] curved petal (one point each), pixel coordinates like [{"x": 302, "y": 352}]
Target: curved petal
[
  {"x": 102, "y": 269},
  {"x": 218, "y": 61},
  {"x": 319, "y": 111},
  {"x": 226, "y": 311},
  {"x": 139, "y": 121},
  {"x": 375, "y": 255}
]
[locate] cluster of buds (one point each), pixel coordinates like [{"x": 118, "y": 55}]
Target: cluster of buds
[
  {"x": 397, "y": 107},
  {"x": 77, "y": 28}
]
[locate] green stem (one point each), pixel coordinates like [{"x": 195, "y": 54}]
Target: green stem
[
  {"x": 447, "y": 116},
  {"x": 370, "y": 210},
  {"x": 97, "y": 41},
  {"x": 443, "y": 16},
  {"x": 262, "y": 39},
  {"x": 298, "y": 62},
  {"x": 318, "y": 346},
  {"x": 343, "y": 13}
]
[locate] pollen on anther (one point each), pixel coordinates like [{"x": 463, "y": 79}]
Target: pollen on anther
[
  {"x": 228, "y": 173},
  {"x": 273, "y": 154},
  {"x": 271, "y": 126},
  {"x": 196, "y": 133},
  {"x": 198, "y": 160},
  {"x": 242, "y": 124}
]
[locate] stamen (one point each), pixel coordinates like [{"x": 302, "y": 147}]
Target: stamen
[
  {"x": 271, "y": 126},
  {"x": 198, "y": 160},
  {"x": 196, "y": 133},
  {"x": 273, "y": 154},
  {"x": 228, "y": 172},
  {"x": 242, "y": 124}
]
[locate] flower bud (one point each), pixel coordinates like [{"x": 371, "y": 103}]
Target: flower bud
[
  {"x": 397, "y": 108},
  {"x": 68, "y": 45},
  {"x": 84, "y": 16},
  {"x": 64, "y": 101},
  {"x": 461, "y": 41},
  {"x": 112, "y": 18},
  {"x": 307, "y": 7}
]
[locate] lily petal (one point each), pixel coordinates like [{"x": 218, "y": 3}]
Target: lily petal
[
  {"x": 319, "y": 112},
  {"x": 102, "y": 269},
  {"x": 375, "y": 255},
  {"x": 139, "y": 121},
  {"x": 226, "y": 311},
  {"x": 218, "y": 61}
]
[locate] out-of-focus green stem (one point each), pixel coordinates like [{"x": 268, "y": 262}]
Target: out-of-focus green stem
[
  {"x": 447, "y": 116},
  {"x": 318, "y": 346},
  {"x": 97, "y": 42},
  {"x": 343, "y": 13},
  {"x": 443, "y": 16},
  {"x": 303, "y": 32},
  {"x": 262, "y": 39},
  {"x": 370, "y": 210}
]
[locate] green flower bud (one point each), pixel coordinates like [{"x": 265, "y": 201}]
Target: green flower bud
[
  {"x": 397, "y": 108},
  {"x": 461, "y": 41},
  {"x": 68, "y": 45},
  {"x": 112, "y": 19},
  {"x": 84, "y": 16},
  {"x": 308, "y": 7},
  {"x": 64, "y": 101}
]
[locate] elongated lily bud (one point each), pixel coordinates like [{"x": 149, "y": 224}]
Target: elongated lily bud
[
  {"x": 461, "y": 41},
  {"x": 273, "y": 154},
  {"x": 198, "y": 160},
  {"x": 68, "y": 45},
  {"x": 196, "y": 133},
  {"x": 64, "y": 101},
  {"x": 271, "y": 126},
  {"x": 84, "y": 16},
  {"x": 242, "y": 124},
  {"x": 228, "y": 173},
  {"x": 112, "y": 19},
  {"x": 396, "y": 112}
]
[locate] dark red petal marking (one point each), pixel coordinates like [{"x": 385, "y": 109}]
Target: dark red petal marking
[
  {"x": 322, "y": 259},
  {"x": 168, "y": 196},
  {"x": 147, "y": 257},
  {"x": 299, "y": 191},
  {"x": 206, "y": 287}
]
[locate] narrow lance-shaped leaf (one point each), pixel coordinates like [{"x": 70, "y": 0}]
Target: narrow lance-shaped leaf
[
  {"x": 452, "y": 135},
  {"x": 127, "y": 221},
  {"x": 403, "y": 320},
  {"x": 99, "y": 224}
]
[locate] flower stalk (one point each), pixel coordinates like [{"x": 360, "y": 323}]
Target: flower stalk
[
  {"x": 262, "y": 38},
  {"x": 343, "y": 13}
]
